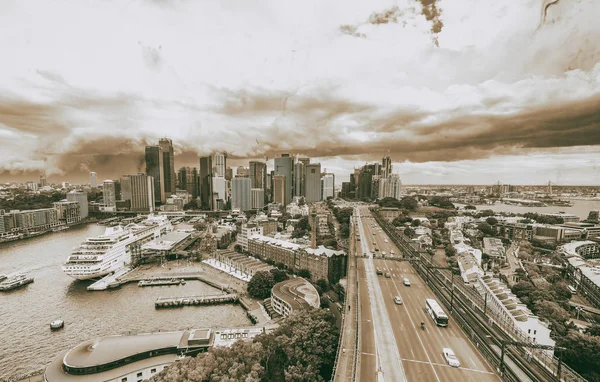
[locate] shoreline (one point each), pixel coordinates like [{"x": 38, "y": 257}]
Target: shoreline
[{"x": 46, "y": 232}]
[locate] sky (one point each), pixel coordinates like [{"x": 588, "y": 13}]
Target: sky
[{"x": 454, "y": 91}]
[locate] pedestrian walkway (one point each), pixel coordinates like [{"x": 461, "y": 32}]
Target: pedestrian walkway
[{"x": 227, "y": 269}]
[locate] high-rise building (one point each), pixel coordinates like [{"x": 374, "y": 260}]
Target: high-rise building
[
  {"x": 258, "y": 198},
  {"x": 279, "y": 189},
  {"x": 285, "y": 166},
  {"x": 93, "y": 180},
  {"x": 220, "y": 188},
  {"x": 42, "y": 180},
  {"x": 142, "y": 193},
  {"x": 386, "y": 167},
  {"x": 393, "y": 187},
  {"x": 240, "y": 194},
  {"x": 220, "y": 164},
  {"x": 258, "y": 174},
  {"x": 125, "y": 187},
  {"x": 168, "y": 166},
  {"x": 228, "y": 173},
  {"x": 313, "y": 182},
  {"x": 364, "y": 185},
  {"x": 81, "y": 198},
  {"x": 549, "y": 187},
  {"x": 155, "y": 169},
  {"x": 328, "y": 186},
  {"x": 108, "y": 189},
  {"x": 242, "y": 172},
  {"x": 299, "y": 179},
  {"x": 188, "y": 180},
  {"x": 205, "y": 176}
]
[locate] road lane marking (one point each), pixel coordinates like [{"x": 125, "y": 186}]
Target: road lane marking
[{"x": 444, "y": 365}]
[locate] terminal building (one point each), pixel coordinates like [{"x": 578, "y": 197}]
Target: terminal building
[{"x": 135, "y": 358}]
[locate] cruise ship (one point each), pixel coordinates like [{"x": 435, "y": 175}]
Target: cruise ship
[{"x": 99, "y": 256}]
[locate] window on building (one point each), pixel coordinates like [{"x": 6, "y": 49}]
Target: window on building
[
  {"x": 124, "y": 379},
  {"x": 535, "y": 332},
  {"x": 139, "y": 374},
  {"x": 152, "y": 371},
  {"x": 528, "y": 331}
]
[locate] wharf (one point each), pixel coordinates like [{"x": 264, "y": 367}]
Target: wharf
[
  {"x": 161, "y": 281},
  {"x": 177, "y": 302},
  {"x": 110, "y": 281}
]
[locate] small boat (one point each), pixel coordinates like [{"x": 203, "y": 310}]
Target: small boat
[
  {"x": 14, "y": 282},
  {"x": 57, "y": 324}
]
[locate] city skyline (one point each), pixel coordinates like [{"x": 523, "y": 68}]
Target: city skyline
[{"x": 466, "y": 93}]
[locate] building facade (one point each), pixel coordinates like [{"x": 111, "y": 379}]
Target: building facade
[
  {"x": 313, "y": 182},
  {"x": 170, "y": 180},
  {"x": 279, "y": 189},
  {"x": 155, "y": 169},
  {"x": 68, "y": 212},
  {"x": 81, "y": 198},
  {"x": 205, "y": 176},
  {"x": 258, "y": 198},
  {"x": 109, "y": 194},
  {"x": 93, "y": 180},
  {"x": 142, "y": 192},
  {"x": 328, "y": 182},
  {"x": 285, "y": 166},
  {"x": 220, "y": 164},
  {"x": 240, "y": 194}
]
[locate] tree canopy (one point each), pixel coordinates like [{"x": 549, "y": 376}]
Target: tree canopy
[
  {"x": 302, "y": 348},
  {"x": 260, "y": 284}
]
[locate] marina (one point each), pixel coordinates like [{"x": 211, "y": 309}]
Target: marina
[{"x": 56, "y": 295}]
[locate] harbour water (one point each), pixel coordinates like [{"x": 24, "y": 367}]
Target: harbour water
[
  {"x": 26, "y": 342},
  {"x": 580, "y": 208}
]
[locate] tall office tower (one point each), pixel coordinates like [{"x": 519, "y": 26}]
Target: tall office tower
[
  {"x": 108, "y": 189},
  {"x": 188, "y": 180},
  {"x": 258, "y": 174},
  {"x": 81, "y": 198},
  {"x": 220, "y": 188},
  {"x": 299, "y": 179},
  {"x": 258, "y": 198},
  {"x": 220, "y": 164},
  {"x": 168, "y": 166},
  {"x": 365, "y": 180},
  {"x": 269, "y": 187},
  {"x": 205, "y": 176},
  {"x": 549, "y": 187},
  {"x": 117, "y": 184},
  {"x": 279, "y": 189},
  {"x": 285, "y": 166},
  {"x": 240, "y": 194},
  {"x": 242, "y": 172},
  {"x": 142, "y": 192},
  {"x": 386, "y": 167},
  {"x": 126, "y": 187},
  {"x": 42, "y": 180},
  {"x": 393, "y": 186},
  {"x": 328, "y": 186},
  {"x": 304, "y": 161},
  {"x": 313, "y": 183},
  {"x": 228, "y": 173},
  {"x": 93, "y": 180},
  {"x": 155, "y": 168},
  {"x": 376, "y": 168}
]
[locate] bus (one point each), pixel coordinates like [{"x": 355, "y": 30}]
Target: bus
[
  {"x": 572, "y": 289},
  {"x": 436, "y": 312}
]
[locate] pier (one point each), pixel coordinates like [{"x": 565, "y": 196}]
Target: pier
[
  {"x": 160, "y": 282},
  {"x": 177, "y": 302}
]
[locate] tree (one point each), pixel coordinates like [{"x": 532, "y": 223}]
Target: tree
[
  {"x": 324, "y": 285},
  {"x": 561, "y": 290},
  {"x": 415, "y": 223},
  {"x": 344, "y": 230},
  {"x": 593, "y": 330},
  {"x": 200, "y": 226},
  {"x": 278, "y": 275},
  {"x": 409, "y": 232},
  {"x": 486, "y": 229},
  {"x": 260, "y": 284},
  {"x": 304, "y": 273},
  {"x": 238, "y": 248},
  {"x": 581, "y": 354},
  {"x": 470, "y": 207},
  {"x": 450, "y": 250},
  {"x": 491, "y": 220},
  {"x": 409, "y": 203},
  {"x": 522, "y": 289},
  {"x": 441, "y": 202}
]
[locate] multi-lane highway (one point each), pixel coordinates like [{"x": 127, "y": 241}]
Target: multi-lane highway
[{"x": 393, "y": 347}]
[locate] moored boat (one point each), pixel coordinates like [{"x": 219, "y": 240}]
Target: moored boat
[{"x": 14, "y": 282}]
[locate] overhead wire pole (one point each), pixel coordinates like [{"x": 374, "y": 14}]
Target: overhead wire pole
[{"x": 533, "y": 346}]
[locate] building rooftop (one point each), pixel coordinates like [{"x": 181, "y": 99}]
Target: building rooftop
[
  {"x": 167, "y": 242},
  {"x": 571, "y": 248},
  {"x": 298, "y": 293},
  {"x": 276, "y": 242},
  {"x": 322, "y": 251}
]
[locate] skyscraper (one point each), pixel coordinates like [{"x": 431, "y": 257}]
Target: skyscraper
[
  {"x": 313, "y": 182},
  {"x": 258, "y": 198},
  {"x": 108, "y": 190},
  {"x": 220, "y": 163},
  {"x": 93, "y": 180},
  {"x": 393, "y": 186},
  {"x": 81, "y": 197},
  {"x": 258, "y": 174},
  {"x": 240, "y": 194},
  {"x": 155, "y": 169},
  {"x": 386, "y": 167},
  {"x": 285, "y": 166},
  {"x": 205, "y": 176},
  {"x": 42, "y": 180},
  {"x": 328, "y": 186},
  {"x": 242, "y": 171},
  {"x": 142, "y": 192},
  {"x": 299, "y": 179},
  {"x": 220, "y": 188},
  {"x": 188, "y": 180},
  {"x": 279, "y": 189},
  {"x": 168, "y": 165}
]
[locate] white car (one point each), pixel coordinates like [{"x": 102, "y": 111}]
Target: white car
[
  {"x": 398, "y": 300},
  {"x": 406, "y": 281},
  {"x": 450, "y": 357}
]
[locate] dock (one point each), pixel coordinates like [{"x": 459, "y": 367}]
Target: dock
[
  {"x": 110, "y": 281},
  {"x": 160, "y": 281},
  {"x": 178, "y": 302}
]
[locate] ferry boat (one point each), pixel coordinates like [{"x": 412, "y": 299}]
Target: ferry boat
[
  {"x": 60, "y": 228},
  {"x": 99, "y": 256},
  {"x": 15, "y": 281}
]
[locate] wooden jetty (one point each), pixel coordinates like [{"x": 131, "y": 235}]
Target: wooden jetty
[
  {"x": 159, "y": 282},
  {"x": 178, "y": 302}
]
